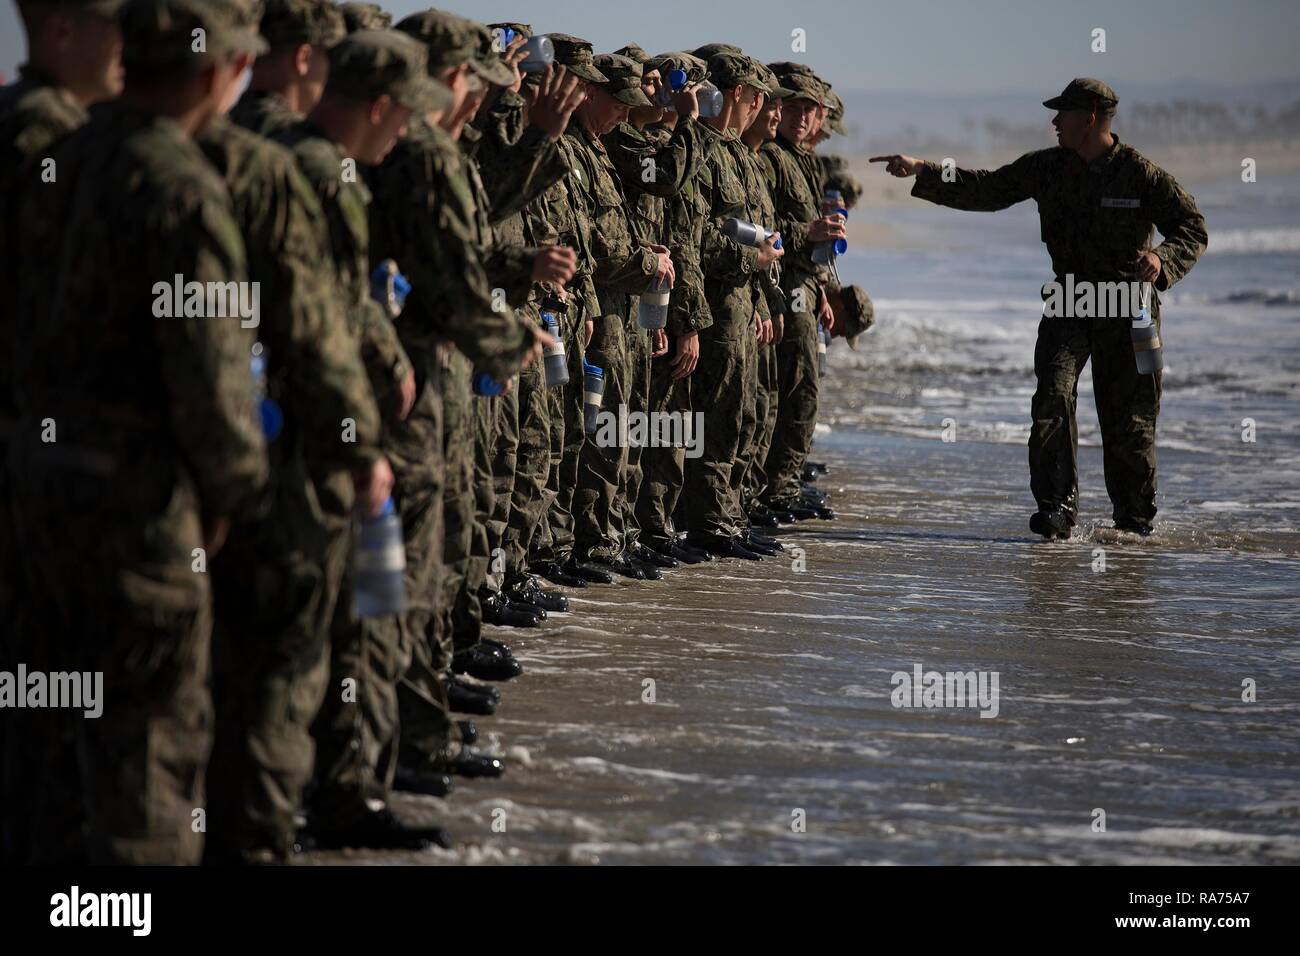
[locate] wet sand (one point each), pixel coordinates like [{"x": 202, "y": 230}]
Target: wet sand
[{"x": 1120, "y": 690}]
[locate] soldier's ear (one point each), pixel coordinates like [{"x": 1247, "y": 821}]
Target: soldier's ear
[{"x": 302, "y": 59}]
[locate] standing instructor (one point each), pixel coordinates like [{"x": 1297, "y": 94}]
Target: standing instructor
[{"x": 1097, "y": 203}]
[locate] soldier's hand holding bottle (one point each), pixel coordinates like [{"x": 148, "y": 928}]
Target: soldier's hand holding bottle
[
  {"x": 826, "y": 229},
  {"x": 685, "y": 102},
  {"x": 659, "y": 338},
  {"x": 1148, "y": 266},
  {"x": 554, "y": 264},
  {"x": 664, "y": 269},
  {"x": 769, "y": 251},
  {"x": 513, "y": 55},
  {"x": 374, "y": 486},
  {"x": 899, "y": 165}
]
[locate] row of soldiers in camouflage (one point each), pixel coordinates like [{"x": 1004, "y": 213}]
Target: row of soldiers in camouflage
[{"x": 203, "y": 568}]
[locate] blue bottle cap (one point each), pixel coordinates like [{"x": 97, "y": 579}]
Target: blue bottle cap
[
  {"x": 841, "y": 246},
  {"x": 595, "y": 370},
  {"x": 548, "y": 319},
  {"x": 777, "y": 244},
  {"x": 388, "y": 509},
  {"x": 272, "y": 418},
  {"x": 484, "y": 384},
  {"x": 507, "y": 37},
  {"x": 676, "y": 79},
  {"x": 401, "y": 286},
  {"x": 842, "y": 211}
]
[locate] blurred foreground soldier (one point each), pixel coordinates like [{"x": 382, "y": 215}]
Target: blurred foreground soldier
[
  {"x": 277, "y": 580},
  {"x": 157, "y": 447},
  {"x": 853, "y": 313},
  {"x": 365, "y": 16},
  {"x": 74, "y": 61},
  {"x": 289, "y": 79},
  {"x": 836, "y": 176},
  {"x": 378, "y": 81},
  {"x": 1098, "y": 201}
]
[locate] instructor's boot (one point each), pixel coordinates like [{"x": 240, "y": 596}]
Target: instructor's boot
[{"x": 1052, "y": 525}]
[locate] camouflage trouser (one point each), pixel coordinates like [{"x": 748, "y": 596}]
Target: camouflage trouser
[
  {"x": 717, "y": 390},
  {"x": 746, "y": 443},
  {"x": 662, "y": 468},
  {"x": 765, "y": 414},
  {"x": 529, "y": 496},
  {"x": 110, "y": 589},
  {"x": 274, "y": 584},
  {"x": 797, "y": 382},
  {"x": 639, "y": 346},
  {"x": 602, "y": 463},
  {"x": 503, "y": 434},
  {"x": 487, "y": 512},
  {"x": 356, "y": 734},
  {"x": 555, "y": 538},
  {"x": 415, "y": 450},
  {"x": 464, "y": 539},
  {"x": 1127, "y": 406}
]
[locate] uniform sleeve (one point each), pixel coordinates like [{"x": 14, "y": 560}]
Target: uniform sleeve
[
  {"x": 979, "y": 190},
  {"x": 1181, "y": 224},
  {"x": 326, "y": 381},
  {"x": 516, "y": 174},
  {"x": 793, "y": 229},
  {"x": 662, "y": 170},
  {"x": 722, "y": 258},
  {"x": 205, "y": 370}
]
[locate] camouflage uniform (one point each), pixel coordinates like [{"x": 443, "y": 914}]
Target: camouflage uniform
[
  {"x": 726, "y": 367},
  {"x": 796, "y": 196},
  {"x": 287, "y": 23},
  {"x": 423, "y": 218},
  {"x": 1095, "y": 219},
  {"x": 365, "y": 16},
  {"x": 622, "y": 269},
  {"x": 357, "y": 736},
  {"x": 673, "y": 157},
  {"x": 156, "y": 432}
]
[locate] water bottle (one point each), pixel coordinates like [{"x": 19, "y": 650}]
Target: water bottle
[
  {"x": 593, "y": 390},
  {"x": 652, "y": 312},
  {"x": 1146, "y": 338},
  {"x": 676, "y": 79},
  {"x": 268, "y": 410},
  {"x": 485, "y": 385},
  {"x": 541, "y": 53},
  {"x": 710, "y": 100},
  {"x": 833, "y": 202},
  {"x": 823, "y": 341},
  {"x": 557, "y": 363},
  {"x": 379, "y": 562},
  {"x": 746, "y": 233},
  {"x": 389, "y": 288},
  {"x": 824, "y": 253}
]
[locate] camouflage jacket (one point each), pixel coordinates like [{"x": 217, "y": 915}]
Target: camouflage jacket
[
  {"x": 346, "y": 204},
  {"x": 264, "y": 112},
  {"x": 797, "y": 204},
  {"x": 1095, "y": 218},
  {"x": 729, "y": 267},
  {"x": 424, "y": 218},
  {"x": 621, "y": 266},
  {"x": 835, "y": 175},
  {"x": 509, "y": 266},
  {"x": 34, "y": 115},
  {"x": 769, "y": 300},
  {"x": 111, "y": 361}
]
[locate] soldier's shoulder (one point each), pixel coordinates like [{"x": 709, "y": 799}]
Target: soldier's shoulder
[
  {"x": 33, "y": 116},
  {"x": 319, "y": 157},
  {"x": 1131, "y": 156},
  {"x": 168, "y": 173}
]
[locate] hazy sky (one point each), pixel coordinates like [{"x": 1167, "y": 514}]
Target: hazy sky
[{"x": 974, "y": 46}]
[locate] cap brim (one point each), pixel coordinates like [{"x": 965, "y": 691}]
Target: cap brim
[
  {"x": 585, "y": 71},
  {"x": 631, "y": 96},
  {"x": 1056, "y": 103},
  {"x": 494, "y": 71}
]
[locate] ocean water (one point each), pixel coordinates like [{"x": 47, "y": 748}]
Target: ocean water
[{"x": 1147, "y": 706}]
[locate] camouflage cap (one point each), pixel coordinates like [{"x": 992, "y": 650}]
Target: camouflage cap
[
  {"x": 694, "y": 68},
  {"x": 574, "y": 54},
  {"x": 710, "y": 50},
  {"x": 777, "y": 91},
  {"x": 835, "y": 118},
  {"x": 624, "y": 83},
  {"x": 727, "y": 70},
  {"x": 372, "y": 63},
  {"x": 365, "y": 16},
  {"x": 294, "y": 22},
  {"x": 452, "y": 41},
  {"x": 634, "y": 52},
  {"x": 107, "y": 8},
  {"x": 856, "y": 314},
  {"x": 805, "y": 83},
  {"x": 488, "y": 63},
  {"x": 1083, "y": 93},
  {"x": 159, "y": 34}
]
